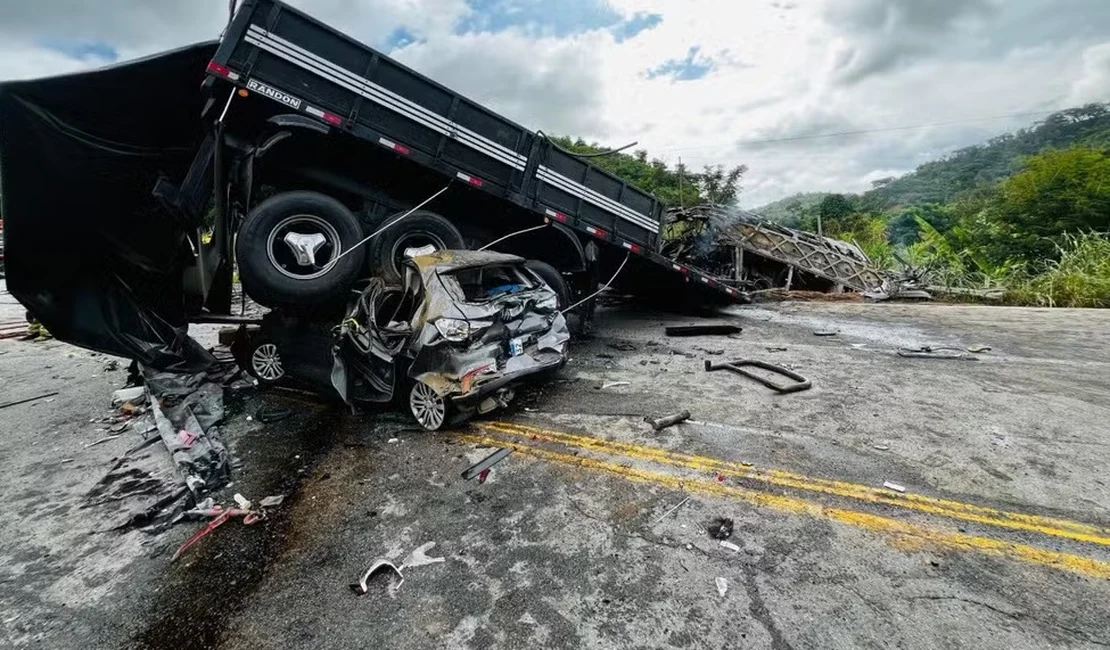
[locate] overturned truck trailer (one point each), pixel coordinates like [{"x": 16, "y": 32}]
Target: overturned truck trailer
[
  {"x": 133, "y": 194},
  {"x": 754, "y": 253}
]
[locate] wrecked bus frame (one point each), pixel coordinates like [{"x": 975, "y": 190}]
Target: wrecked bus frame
[{"x": 124, "y": 188}]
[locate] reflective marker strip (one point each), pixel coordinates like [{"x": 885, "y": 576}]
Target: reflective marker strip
[
  {"x": 223, "y": 71},
  {"x": 476, "y": 182},
  {"x": 574, "y": 188},
  {"x": 323, "y": 115},
  {"x": 381, "y": 95},
  {"x": 597, "y": 232},
  {"x": 389, "y": 144},
  {"x": 630, "y": 246},
  {"x": 557, "y": 216},
  {"x": 680, "y": 269}
]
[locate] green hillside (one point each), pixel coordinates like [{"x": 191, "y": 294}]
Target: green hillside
[{"x": 985, "y": 164}]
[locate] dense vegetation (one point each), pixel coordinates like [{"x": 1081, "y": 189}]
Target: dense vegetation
[
  {"x": 1028, "y": 212},
  {"x": 677, "y": 186}
]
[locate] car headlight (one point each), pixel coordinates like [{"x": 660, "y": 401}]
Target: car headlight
[
  {"x": 550, "y": 303},
  {"x": 453, "y": 329}
]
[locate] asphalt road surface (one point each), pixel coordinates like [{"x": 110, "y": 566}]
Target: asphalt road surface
[{"x": 593, "y": 532}]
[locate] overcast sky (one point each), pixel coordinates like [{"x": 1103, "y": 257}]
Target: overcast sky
[{"x": 709, "y": 81}]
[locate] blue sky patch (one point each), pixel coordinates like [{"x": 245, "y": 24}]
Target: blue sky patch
[
  {"x": 693, "y": 66},
  {"x": 542, "y": 17},
  {"x": 400, "y": 37},
  {"x": 632, "y": 27},
  {"x": 81, "y": 50}
]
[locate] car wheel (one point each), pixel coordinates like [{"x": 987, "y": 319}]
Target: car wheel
[
  {"x": 428, "y": 407},
  {"x": 289, "y": 246},
  {"x": 264, "y": 362},
  {"x": 550, "y": 275},
  {"x": 419, "y": 229}
]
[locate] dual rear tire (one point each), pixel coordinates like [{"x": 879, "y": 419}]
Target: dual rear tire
[{"x": 297, "y": 249}]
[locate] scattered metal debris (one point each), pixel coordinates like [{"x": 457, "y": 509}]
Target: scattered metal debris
[
  {"x": 486, "y": 463},
  {"x": 612, "y": 384},
  {"x": 722, "y": 586},
  {"x": 271, "y": 501},
  {"x": 266, "y": 414},
  {"x": 775, "y": 348},
  {"x": 667, "y": 421},
  {"x": 361, "y": 586},
  {"x": 729, "y": 545},
  {"x": 721, "y": 528},
  {"x": 826, "y": 333},
  {"x": 979, "y": 349},
  {"x": 934, "y": 352},
  {"x": 419, "y": 557},
  {"x": 221, "y": 515},
  {"x": 893, "y": 486},
  {"x": 704, "y": 330},
  {"x": 128, "y": 395},
  {"x": 740, "y": 367},
  {"x": 29, "y": 399},
  {"x": 676, "y": 507},
  {"x": 882, "y": 447},
  {"x": 103, "y": 440},
  {"x": 622, "y": 347}
]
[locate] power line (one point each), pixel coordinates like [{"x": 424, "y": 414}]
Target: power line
[{"x": 908, "y": 127}]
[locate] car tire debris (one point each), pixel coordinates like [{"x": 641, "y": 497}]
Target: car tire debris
[{"x": 721, "y": 528}]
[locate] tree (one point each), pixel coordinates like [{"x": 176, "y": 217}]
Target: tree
[
  {"x": 720, "y": 186},
  {"x": 834, "y": 208},
  {"x": 1057, "y": 193}
]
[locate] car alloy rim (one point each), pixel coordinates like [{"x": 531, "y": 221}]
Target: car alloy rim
[
  {"x": 266, "y": 362},
  {"x": 413, "y": 239},
  {"x": 427, "y": 407},
  {"x": 303, "y": 262}
]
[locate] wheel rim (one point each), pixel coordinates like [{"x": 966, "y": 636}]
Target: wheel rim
[
  {"x": 319, "y": 243},
  {"x": 428, "y": 408},
  {"x": 266, "y": 362},
  {"x": 414, "y": 239}
]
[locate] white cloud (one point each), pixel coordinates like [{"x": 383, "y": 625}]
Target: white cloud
[{"x": 780, "y": 69}]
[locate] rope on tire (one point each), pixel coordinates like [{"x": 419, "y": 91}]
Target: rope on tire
[{"x": 331, "y": 264}]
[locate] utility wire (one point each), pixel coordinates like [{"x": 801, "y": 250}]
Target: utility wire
[{"x": 908, "y": 127}]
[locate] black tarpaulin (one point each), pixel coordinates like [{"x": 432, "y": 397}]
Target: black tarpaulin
[{"x": 89, "y": 251}]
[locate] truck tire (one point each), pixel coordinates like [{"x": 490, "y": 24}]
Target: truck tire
[
  {"x": 553, "y": 278},
  {"x": 279, "y": 272},
  {"x": 420, "y": 228}
]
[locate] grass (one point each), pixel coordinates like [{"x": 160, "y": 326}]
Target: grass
[{"x": 1080, "y": 278}]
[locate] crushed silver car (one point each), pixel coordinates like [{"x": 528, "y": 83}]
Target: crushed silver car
[{"x": 464, "y": 328}]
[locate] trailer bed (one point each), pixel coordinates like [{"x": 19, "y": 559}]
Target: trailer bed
[{"x": 276, "y": 51}]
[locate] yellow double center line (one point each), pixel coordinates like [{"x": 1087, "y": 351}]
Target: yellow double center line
[{"x": 904, "y": 534}]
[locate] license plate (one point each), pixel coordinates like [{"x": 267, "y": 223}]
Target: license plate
[{"x": 516, "y": 347}]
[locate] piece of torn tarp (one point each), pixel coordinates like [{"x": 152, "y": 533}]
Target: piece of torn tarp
[
  {"x": 187, "y": 408},
  {"x": 91, "y": 252}
]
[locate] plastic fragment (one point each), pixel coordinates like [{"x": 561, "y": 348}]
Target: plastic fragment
[
  {"x": 893, "y": 486},
  {"x": 722, "y": 586},
  {"x": 419, "y": 557},
  {"x": 729, "y": 545}
]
